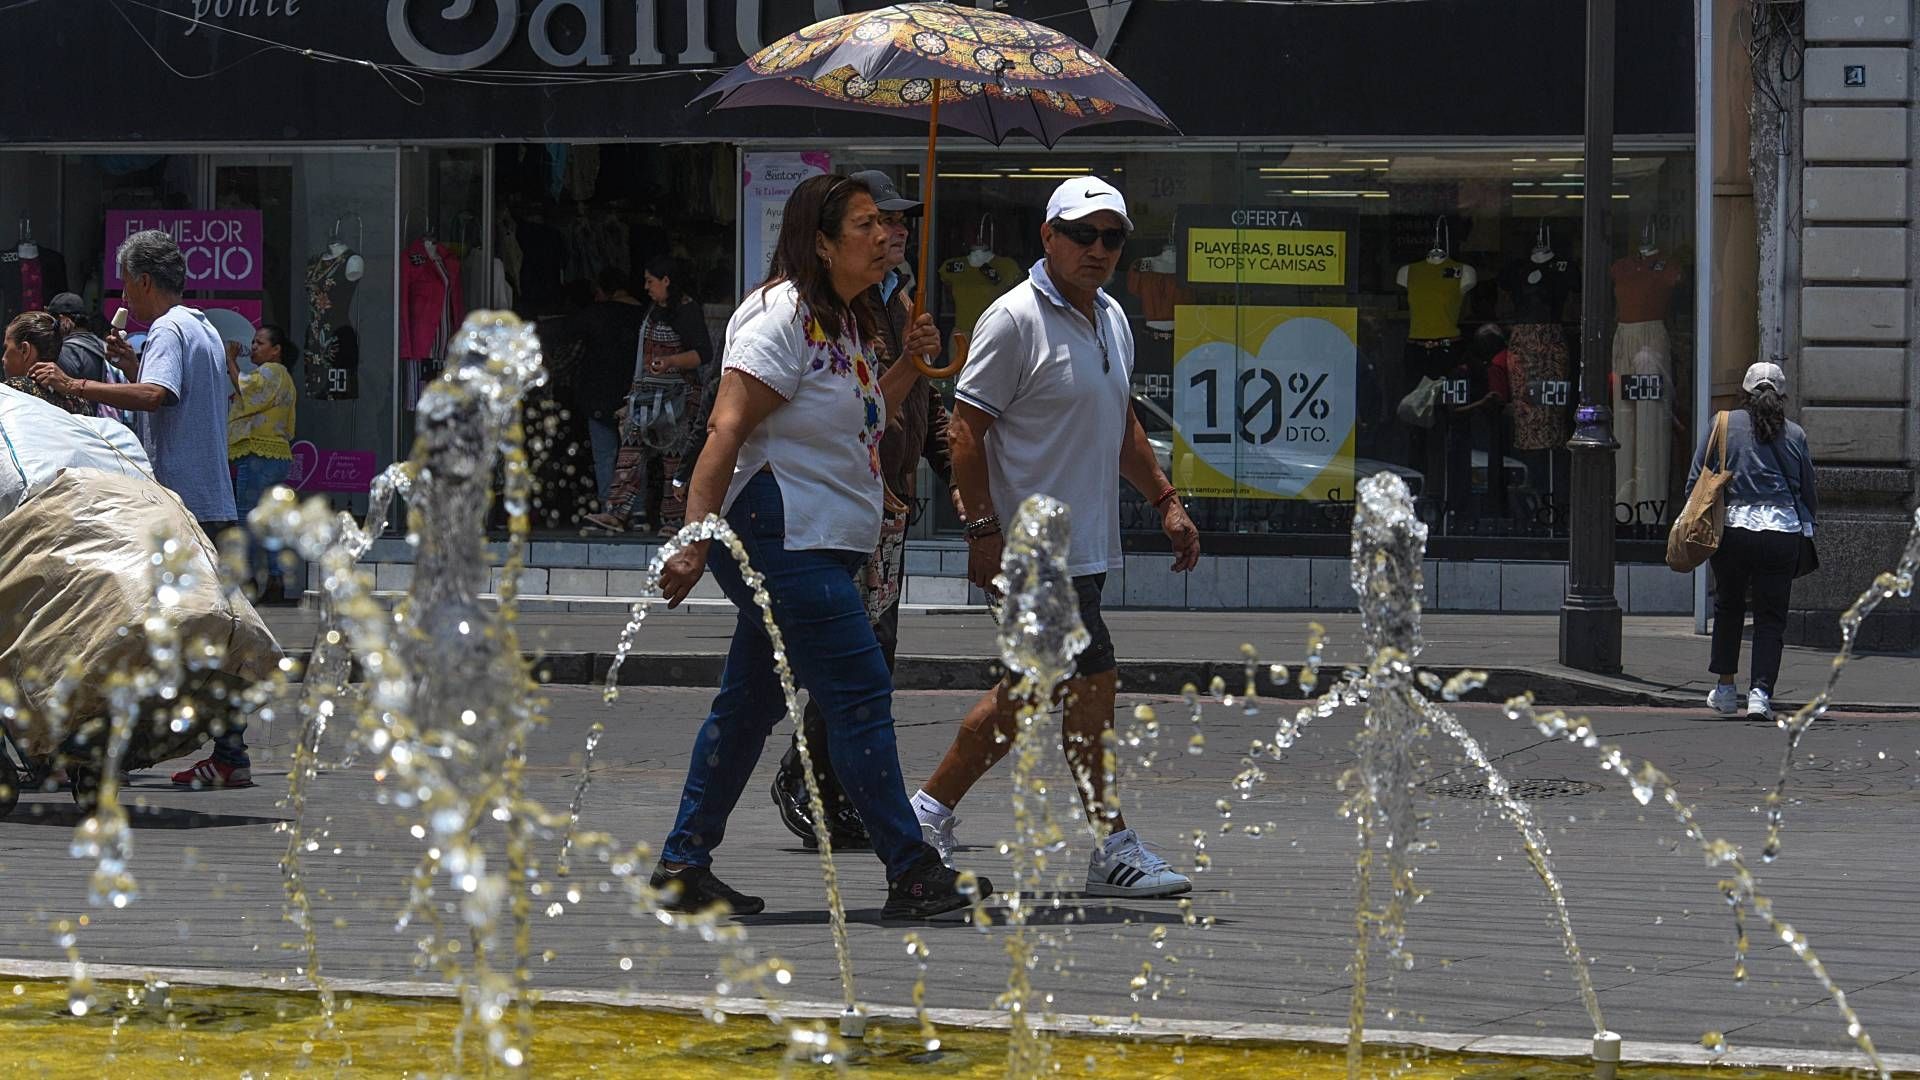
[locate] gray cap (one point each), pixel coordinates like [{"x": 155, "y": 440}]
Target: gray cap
[
  {"x": 1764, "y": 374},
  {"x": 885, "y": 195}
]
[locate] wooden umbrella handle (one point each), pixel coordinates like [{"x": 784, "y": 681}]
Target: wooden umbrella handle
[{"x": 958, "y": 351}]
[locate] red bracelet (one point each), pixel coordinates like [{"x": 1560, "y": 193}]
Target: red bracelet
[{"x": 1170, "y": 493}]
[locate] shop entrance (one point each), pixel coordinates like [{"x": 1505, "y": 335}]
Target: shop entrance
[{"x": 576, "y": 223}]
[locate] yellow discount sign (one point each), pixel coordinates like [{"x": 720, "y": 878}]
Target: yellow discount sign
[
  {"x": 1263, "y": 401},
  {"x": 1316, "y": 257}
]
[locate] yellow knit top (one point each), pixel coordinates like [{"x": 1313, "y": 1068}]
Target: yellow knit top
[{"x": 260, "y": 418}]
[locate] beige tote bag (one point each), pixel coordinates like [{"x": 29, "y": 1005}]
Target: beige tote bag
[{"x": 1695, "y": 535}]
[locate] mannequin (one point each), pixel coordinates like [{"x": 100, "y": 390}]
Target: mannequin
[
  {"x": 332, "y": 361},
  {"x": 29, "y": 274},
  {"x": 978, "y": 279},
  {"x": 1436, "y": 288},
  {"x": 1154, "y": 280},
  {"x": 432, "y": 303},
  {"x": 1643, "y": 389},
  {"x": 1540, "y": 368}
]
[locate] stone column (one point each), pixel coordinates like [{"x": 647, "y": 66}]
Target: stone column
[{"x": 1854, "y": 378}]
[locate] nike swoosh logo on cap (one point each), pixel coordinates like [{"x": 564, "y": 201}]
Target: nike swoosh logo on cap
[{"x": 1091, "y": 193}]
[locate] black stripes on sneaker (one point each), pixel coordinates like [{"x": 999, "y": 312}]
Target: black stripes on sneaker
[{"x": 1124, "y": 876}]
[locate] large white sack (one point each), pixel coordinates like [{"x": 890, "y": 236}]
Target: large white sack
[{"x": 38, "y": 439}]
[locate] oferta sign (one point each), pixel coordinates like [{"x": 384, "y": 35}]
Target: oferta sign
[{"x": 1254, "y": 246}]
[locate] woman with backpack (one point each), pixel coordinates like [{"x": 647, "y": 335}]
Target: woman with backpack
[
  {"x": 664, "y": 409},
  {"x": 1766, "y": 541}
]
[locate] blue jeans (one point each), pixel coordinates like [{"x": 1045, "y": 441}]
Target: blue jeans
[
  {"x": 831, "y": 646},
  {"x": 605, "y": 435},
  {"x": 253, "y": 475}
]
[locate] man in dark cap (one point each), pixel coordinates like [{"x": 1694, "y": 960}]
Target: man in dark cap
[
  {"x": 82, "y": 354},
  {"x": 918, "y": 430}
]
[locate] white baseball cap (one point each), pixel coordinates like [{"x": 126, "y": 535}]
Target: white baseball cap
[
  {"x": 1085, "y": 195},
  {"x": 1764, "y": 372}
]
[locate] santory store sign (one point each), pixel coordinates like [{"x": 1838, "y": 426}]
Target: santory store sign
[{"x": 408, "y": 23}]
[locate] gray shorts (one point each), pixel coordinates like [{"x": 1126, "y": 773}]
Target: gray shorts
[{"x": 1098, "y": 657}]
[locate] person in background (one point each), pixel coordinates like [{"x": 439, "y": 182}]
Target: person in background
[
  {"x": 1044, "y": 406},
  {"x": 83, "y": 354},
  {"x": 1770, "y": 503},
  {"x": 918, "y": 430},
  {"x": 33, "y": 338},
  {"x": 675, "y": 353},
  {"x": 609, "y": 334},
  {"x": 793, "y": 462},
  {"x": 177, "y": 390},
  {"x": 260, "y": 440},
  {"x": 1481, "y": 422}
]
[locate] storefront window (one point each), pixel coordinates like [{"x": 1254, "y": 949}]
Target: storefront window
[
  {"x": 576, "y": 221},
  {"x": 253, "y": 226},
  {"x": 1304, "y": 319}
]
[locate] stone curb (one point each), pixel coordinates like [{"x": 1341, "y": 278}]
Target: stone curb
[
  {"x": 1553, "y": 688},
  {"x": 1633, "y": 1053}
]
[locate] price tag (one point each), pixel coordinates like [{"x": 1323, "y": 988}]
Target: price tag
[
  {"x": 1549, "y": 392},
  {"x": 1650, "y": 387}
]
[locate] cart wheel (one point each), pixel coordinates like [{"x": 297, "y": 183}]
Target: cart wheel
[{"x": 9, "y": 785}]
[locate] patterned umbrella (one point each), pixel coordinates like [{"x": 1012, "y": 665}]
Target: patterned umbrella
[{"x": 981, "y": 72}]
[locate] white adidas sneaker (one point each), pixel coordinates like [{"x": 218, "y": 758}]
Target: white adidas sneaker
[{"x": 1124, "y": 867}]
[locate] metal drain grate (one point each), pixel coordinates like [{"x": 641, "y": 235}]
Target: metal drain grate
[{"x": 1529, "y": 789}]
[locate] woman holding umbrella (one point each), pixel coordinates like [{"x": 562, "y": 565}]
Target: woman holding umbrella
[{"x": 792, "y": 462}]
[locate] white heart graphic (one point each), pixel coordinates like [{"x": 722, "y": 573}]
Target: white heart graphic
[
  {"x": 1274, "y": 421},
  {"x": 306, "y": 458}
]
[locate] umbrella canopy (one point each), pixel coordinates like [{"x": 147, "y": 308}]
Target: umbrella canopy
[
  {"x": 991, "y": 74},
  {"x": 981, "y": 72}
]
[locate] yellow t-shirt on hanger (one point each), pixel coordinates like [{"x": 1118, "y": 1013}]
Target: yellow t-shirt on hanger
[
  {"x": 974, "y": 287},
  {"x": 1434, "y": 299}
]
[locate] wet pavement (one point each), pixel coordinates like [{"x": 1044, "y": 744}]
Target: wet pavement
[{"x": 1273, "y": 920}]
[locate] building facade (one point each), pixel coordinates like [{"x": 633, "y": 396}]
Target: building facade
[
  {"x": 1851, "y": 305},
  {"x": 1354, "y": 194}
]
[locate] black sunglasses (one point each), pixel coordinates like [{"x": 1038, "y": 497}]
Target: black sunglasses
[{"x": 1084, "y": 234}]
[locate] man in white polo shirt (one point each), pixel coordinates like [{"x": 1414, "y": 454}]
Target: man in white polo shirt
[{"x": 1044, "y": 406}]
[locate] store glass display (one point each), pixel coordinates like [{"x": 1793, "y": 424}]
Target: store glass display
[{"x": 1305, "y": 318}]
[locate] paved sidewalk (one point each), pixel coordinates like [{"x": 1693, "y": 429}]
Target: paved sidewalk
[
  {"x": 1274, "y": 913},
  {"x": 1665, "y": 661}
]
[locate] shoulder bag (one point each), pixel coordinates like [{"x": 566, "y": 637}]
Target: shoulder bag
[
  {"x": 1695, "y": 535},
  {"x": 656, "y": 404}
]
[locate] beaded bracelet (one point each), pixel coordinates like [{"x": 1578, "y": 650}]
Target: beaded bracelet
[{"x": 983, "y": 527}]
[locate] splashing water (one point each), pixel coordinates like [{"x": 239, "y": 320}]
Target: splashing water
[
  {"x": 713, "y": 528},
  {"x": 1895, "y": 582},
  {"x": 1741, "y": 890},
  {"x": 917, "y": 949},
  {"x": 1040, "y": 634},
  {"x": 1389, "y": 548},
  {"x": 563, "y": 866},
  {"x": 449, "y": 703}
]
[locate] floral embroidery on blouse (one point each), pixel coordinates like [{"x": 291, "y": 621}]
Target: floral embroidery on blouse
[{"x": 856, "y": 361}]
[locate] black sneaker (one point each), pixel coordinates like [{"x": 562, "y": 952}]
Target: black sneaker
[
  {"x": 930, "y": 888},
  {"x": 846, "y": 829},
  {"x": 694, "y": 889}
]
